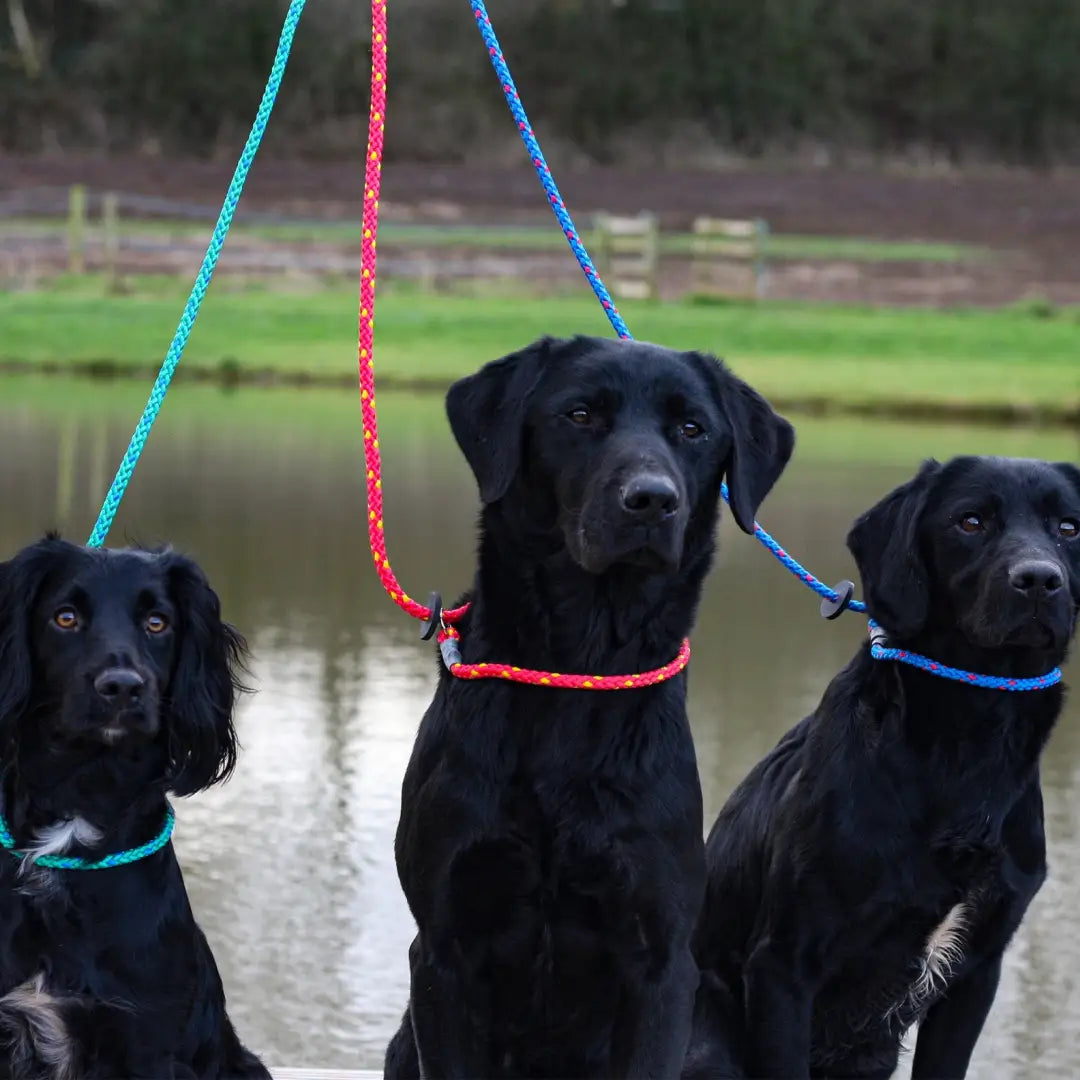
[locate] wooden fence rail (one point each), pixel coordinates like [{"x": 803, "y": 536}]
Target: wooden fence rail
[{"x": 717, "y": 242}]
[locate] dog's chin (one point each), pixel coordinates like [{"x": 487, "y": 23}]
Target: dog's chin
[
  {"x": 1040, "y": 634},
  {"x": 646, "y": 558},
  {"x": 112, "y": 734},
  {"x": 130, "y": 726},
  {"x": 651, "y": 560}
]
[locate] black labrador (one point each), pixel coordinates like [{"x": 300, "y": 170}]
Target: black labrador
[
  {"x": 869, "y": 873},
  {"x": 550, "y": 841},
  {"x": 116, "y": 689}
]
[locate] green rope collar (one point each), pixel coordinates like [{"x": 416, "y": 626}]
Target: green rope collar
[{"x": 73, "y": 862}]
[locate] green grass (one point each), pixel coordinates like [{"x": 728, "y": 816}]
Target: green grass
[
  {"x": 515, "y": 238},
  {"x": 792, "y": 352}
]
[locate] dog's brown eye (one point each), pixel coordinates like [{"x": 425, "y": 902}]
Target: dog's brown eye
[
  {"x": 971, "y": 523},
  {"x": 67, "y": 618},
  {"x": 1069, "y": 528},
  {"x": 580, "y": 415},
  {"x": 690, "y": 430},
  {"x": 155, "y": 623}
]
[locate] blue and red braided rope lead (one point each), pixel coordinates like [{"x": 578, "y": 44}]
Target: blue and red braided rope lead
[
  {"x": 536, "y": 156},
  {"x": 880, "y": 651},
  {"x": 566, "y": 223},
  {"x": 833, "y": 599}
]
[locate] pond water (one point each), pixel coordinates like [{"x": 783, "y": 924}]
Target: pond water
[{"x": 290, "y": 865}]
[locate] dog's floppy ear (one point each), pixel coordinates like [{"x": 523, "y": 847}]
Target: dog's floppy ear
[
  {"x": 885, "y": 544},
  {"x": 761, "y": 446},
  {"x": 1070, "y": 472},
  {"x": 487, "y": 415},
  {"x": 16, "y": 597},
  {"x": 204, "y": 683},
  {"x": 20, "y": 580}
]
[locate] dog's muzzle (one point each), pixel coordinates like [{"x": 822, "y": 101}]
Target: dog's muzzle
[
  {"x": 638, "y": 520},
  {"x": 1028, "y": 605},
  {"x": 125, "y": 703}
]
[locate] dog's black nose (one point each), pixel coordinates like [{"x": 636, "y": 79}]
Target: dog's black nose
[
  {"x": 120, "y": 687},
  {"x": 1036, "y": 577},
  {"x": 650, "y": 498}
]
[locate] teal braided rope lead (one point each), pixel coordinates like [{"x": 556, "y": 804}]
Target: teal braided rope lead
[
  {"x": 202, "y": 282},
  {"x": 72, "y": 862}
]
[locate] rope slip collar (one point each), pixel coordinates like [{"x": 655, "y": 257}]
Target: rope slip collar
[
  {"x": 449, "y": 637},
  {"x": 881, "y": 650},
  {"x": 73, "y": 862},
  {"x": 434, "y": 617}
]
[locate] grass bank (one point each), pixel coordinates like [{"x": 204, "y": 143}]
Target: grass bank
[{"x": 1017, "y": 364}]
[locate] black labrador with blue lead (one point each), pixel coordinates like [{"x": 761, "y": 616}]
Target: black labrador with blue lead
[
  {"x": 870, "y": 872},
  {"x": 550, "y": 842}
]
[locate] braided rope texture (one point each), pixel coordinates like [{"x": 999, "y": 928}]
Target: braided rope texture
[
  {"x": 366, "y": 336},
  {"x": 202, "y": 283},
  {"x": 72, "y": 862},
  {"x": 990, "y": 682},
  {"x": 793, "y": 564},
  {"x": 558, "y": 206},
  {"x": 448, "y": 636},
  {"x": 878, "y": 651},
  {"x": 536, "y": 155}
]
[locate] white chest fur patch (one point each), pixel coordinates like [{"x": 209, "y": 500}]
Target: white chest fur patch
[
  {"x": 58, "y": 838},
  {"x": 32, "y": 1023},
  {"x": 942, "y": 955}
]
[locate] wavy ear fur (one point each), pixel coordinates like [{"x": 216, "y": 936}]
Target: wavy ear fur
[
  {"x": 21, "y": 578},
  {"x": 762, "y": 441},
  {"x": 487, "y": 416},
  {"x": 204, "y": 683},
  {"x": 885, "y": 544},
  {"x": 15, "y": 658}
]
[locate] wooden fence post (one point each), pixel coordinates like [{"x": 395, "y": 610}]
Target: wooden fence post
[
  {"x": 110, "y": 220},
  {"x": 723, "y": 240},
  {"x": 629, "y": 250},
  {"x": 761, "y": 270},
  {"x": 76, "y": 228}
]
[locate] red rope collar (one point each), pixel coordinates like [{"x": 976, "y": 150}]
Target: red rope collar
[{"x": 448, "y": 635}]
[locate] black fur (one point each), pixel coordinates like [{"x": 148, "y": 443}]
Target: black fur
[
  {"x": 550, "y": 841},
  {"x": 116, "y": 688},
  {"x": 835, "y": 862}
]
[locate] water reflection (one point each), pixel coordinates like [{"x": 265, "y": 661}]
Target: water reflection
[{"x": 290, "y": 866}]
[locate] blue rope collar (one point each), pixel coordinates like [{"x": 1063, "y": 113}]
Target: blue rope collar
[
  {"x": 833, "y": 601},
  {"x": 880, "y": 650},
  {"x": 72, "y": 862}
]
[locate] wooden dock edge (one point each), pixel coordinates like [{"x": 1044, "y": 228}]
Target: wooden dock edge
[{"x": 325, "y": 1074}]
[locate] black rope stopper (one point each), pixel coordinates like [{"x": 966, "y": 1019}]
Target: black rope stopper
[
  {"x": 833, "y": 609},
  {"x": 431, "y": 623}
]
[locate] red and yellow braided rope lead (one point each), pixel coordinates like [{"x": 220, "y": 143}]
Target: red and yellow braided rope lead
[{"x": 448, "y": 635}]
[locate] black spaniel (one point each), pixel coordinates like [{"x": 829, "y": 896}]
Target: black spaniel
[{"x": 116, "y": 689}]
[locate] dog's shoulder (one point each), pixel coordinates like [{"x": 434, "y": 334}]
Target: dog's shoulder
[
  {"x": 796, "y": 806},
  {"x": 1024, "y": 843}
]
